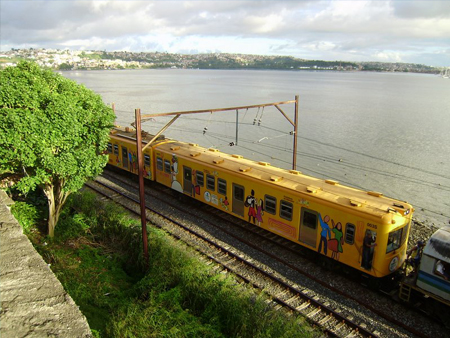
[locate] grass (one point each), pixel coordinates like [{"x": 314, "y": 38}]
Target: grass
[{"x": 96, "y": 254}]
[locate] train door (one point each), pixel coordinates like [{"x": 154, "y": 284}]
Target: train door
[
  {"x": 308, "y": 227},
  {"x": 125, "y": 157},
  {"x": 238, "y": 199},
  {"x": 187, "y": 180}
]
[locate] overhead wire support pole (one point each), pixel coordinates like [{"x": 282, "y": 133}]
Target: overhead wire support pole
[
  {"x": 141, "y": 186},
  {"x": 145, "y": 117},
  {"x": 294, "y": 156},
  {"x": 140, "y": 150},
  {"x": 237, "y": 126},
  {"x": 275, "y": 104},
  {"x": 161, "y": 131}
]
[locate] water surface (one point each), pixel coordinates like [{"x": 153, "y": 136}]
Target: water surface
[{"x": 385, "y": 132}]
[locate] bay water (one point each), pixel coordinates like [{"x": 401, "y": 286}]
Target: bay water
[{"x": 385, "y": 132}]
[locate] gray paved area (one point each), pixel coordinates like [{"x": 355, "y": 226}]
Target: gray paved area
[{"x": 33, "y": 302}]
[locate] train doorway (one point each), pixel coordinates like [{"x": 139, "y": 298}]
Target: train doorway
[
  {"x": 238, "y": 199},
  {"x": 308, "y": 227},
  {"x": 187, "y": 180},
  {"x": 125, "y": 157}
]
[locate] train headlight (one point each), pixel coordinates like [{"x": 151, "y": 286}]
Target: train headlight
[{"x": 393, "y": 264}]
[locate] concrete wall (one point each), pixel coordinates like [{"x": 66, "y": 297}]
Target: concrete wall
[{"x": 33, "y": 302}]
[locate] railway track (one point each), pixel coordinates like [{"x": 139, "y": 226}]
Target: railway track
[{"x": 334, "y": 320}]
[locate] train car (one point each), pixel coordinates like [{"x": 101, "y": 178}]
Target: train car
[
  {"x": 123, "y": 154},
  {"x": 432, "y": 280},
  {"x": 362, "y": 229}
]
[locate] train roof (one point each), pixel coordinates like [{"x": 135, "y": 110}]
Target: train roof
[
  {"x": 369, "y": 202},
  {"x": 130, "y": 134},
  {"x": 438, "y": 246}
]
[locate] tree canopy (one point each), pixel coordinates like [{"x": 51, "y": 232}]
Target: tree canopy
[{"x": 53, "y": 132}]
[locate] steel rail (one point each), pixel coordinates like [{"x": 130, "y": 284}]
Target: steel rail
[
  {"x": 217, "y": 213},
  {"x": 323, "y": 308}
]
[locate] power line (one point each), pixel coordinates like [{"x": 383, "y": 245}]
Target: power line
[{"x": 335, "y": 161}]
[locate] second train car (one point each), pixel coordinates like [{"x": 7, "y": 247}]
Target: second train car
[{"x": 362, "y": 229}]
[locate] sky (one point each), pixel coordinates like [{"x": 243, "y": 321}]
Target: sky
[{"x": 389, "y": 31}]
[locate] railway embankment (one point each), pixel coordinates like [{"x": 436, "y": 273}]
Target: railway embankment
[{"x": 33, "y": 303}]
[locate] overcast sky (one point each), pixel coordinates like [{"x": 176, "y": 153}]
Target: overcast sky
[{"x": 393, "y": 31}]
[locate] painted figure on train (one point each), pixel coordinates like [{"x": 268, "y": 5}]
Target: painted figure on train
[
  {"x": 335, "y": 244},
  {"x": 324, "y": 233},
  {"x": 250, "y": 202},
  {"x": 174, "y": 172},
  {"x": 260, "y": 211}
]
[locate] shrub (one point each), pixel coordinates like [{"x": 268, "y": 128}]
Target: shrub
[{"x": 28, "y": 215}]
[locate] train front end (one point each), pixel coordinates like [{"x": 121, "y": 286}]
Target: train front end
[{"x": 393, "y": 241}]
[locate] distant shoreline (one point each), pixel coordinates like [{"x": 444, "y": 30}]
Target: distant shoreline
[
  {"x": 101, "y": 60},
  {"x": 250, "y": 69}
]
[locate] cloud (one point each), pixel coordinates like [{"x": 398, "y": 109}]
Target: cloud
[
  {"x": 319, "y": 29},
  {"x": 421, "y": 9}
]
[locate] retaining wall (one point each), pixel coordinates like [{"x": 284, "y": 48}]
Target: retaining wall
[{"x": 33, "y": 302}]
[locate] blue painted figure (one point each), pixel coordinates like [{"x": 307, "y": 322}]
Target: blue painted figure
[{"x": 325, "y": 231}]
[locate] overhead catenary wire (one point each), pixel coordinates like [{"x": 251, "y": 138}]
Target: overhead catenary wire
[
  {"x": 260, "y": 118},
  {"x": 355, "y": 152},
  {"x": 207, "y": 124},
  {"x": 348, "y": 164},
  {"x": 224, "y": 141},
  {"x": 256, "y": 117}
]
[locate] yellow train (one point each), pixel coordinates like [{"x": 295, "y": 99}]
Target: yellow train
[{"x": 362, "y": 229}]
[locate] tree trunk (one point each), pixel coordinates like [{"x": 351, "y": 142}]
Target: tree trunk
[{"x": 56, "y": 198}]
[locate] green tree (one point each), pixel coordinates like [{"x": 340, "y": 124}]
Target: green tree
[
  {"x": 65, "y": 66},
  {"x": 53, "y": 133}
]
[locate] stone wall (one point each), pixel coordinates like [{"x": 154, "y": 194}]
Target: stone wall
[{"x": 33, "y": 302}]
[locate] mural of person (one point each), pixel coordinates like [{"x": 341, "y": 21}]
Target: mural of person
[
  {"x": 260, "y": 211},
  {"x": 250, "y": 202},
  {"x": 130, "y": 161},
  {"x": 135, "y": 162},
  {"x": 335, "y": 244},
  {"x": 367, "y": 255},
  {"x": 224, "y": 203},
  {"x": 174, "y": 172},
  {"x": 196, "y": 186},
  {"x": 323, "y": 234}
]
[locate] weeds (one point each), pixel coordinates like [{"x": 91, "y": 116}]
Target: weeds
[
  {"x": 27, "y": 214},
  {"x": 96, "y": 254}
]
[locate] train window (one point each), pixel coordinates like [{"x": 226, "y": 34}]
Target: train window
[
  {"x": 270, "y": 204},
  {"x": 147, "y": 160},
  {"x": 210, "y": 182},
  {"x": 109, "y": 148},
  {"x": 394, "y": 240},
  {"x": 222, "y": 186},
  {"x": 200, "y": 178},
  {"x": 442, "y": 270},
  {"x": 350, "y": 233},
  {"x": 286, "y": 210},
  {"x": 309, "y": 218},
  {"x": 159, "y": 163},
  {"x": 116, "y": 149},
  {"x": 167, "y": 167},
  {"x": 187, "y": 174},
  {"x": 238, "y": 193},
  {"x": 405, "y": 233}
]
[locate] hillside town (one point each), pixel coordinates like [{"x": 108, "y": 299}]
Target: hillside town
[{"x": 93, "y": 60}]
